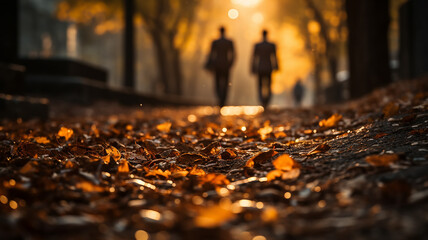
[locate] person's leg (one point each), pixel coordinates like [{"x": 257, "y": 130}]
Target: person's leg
[
  {"x": 261, "y": 89},
  {"x": 269, "y": 89},
  {"x": 224, "y": 87},
  {"x": 217, "y": 85}
]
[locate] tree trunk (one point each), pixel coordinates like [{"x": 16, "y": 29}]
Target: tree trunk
[
  {"x": 129, "y": 45},
  {"x": 168, "y": 59},
  {"x": 368, "y": 23}
]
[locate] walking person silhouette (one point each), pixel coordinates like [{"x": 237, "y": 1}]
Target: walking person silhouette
[
  {"x": 220, "y": 60},
  {"x": 264, "y": 62}
]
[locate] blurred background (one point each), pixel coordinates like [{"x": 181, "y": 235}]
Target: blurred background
[{"x": 172, "y": 39}]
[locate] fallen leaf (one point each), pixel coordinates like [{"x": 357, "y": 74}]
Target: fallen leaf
[
  {"x": 379, "y": 135},
  {"x": 331, "y": 121},
  {"x": 228, "y": 154},
  {"x": 158, "y": 172},
  {"x": 260, "y": 158},
  {"x": 42, "y": 140},
  {"x": 123, "y": 167},
  {"x": 284, "y": 162},
  {"x": 113, "y": 152},
  {"x": 390, "y": 109},
  {"x": 164, "y": 127},
  {"x": 319, "y": 149},
  {"x": 272, "y": 175},
  {"x": 87, "y": 186},
  {"x": 382, "y": 160},
  {"x": 215, "y": 179},
  {"x": 29, "y": 167},
  {"x": 65, "y": 132},
  {"x": 197, "y": 171}
]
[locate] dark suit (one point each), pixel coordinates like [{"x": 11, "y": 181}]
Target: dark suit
[
  {"x": 263, "y": 63},
  {"x": 220, "y": 61}
]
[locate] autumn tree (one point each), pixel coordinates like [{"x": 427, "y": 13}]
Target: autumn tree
[
  {"x": 322, "y": 24},
  {"x": 168, "y": 23}
]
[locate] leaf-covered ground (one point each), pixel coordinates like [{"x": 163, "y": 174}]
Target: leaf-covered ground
[{"x": 357, "y": 170}]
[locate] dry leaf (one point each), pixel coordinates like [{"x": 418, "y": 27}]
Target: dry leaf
[
  {"x": 382, "y": 160},
  {"x": 379, "y": 135},
  {"x": 158, "y": 172},
  {"x": 29, "y": 167},
  {"x": 215, "y": 179},
  {"x": 390, "y": 109},
  {"x": 65, "y": 132},
  {"x": 228, "y": 154},
  {"x": 164, "y": 127},
  {"x": 123, "y": 167},
  {"x": 331, "y": 121},
  {"x": 272, "y": 175},
  {"x": 319, "y": 149},
  {"x": 42, "y": 140},
  {"x": 284, "y": 162},
  {"x": 260, "y": 158},
  {"x": 113, "y": 152},
  {"x": 197, "y": 171},
  {"x": 87, "y": 186}
]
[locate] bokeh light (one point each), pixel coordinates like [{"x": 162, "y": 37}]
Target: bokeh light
[{"x": 233, "y": 13}]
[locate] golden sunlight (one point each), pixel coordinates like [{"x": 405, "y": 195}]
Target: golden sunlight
[{"x": 246, "y": 3}]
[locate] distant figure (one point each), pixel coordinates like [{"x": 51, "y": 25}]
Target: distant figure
[
  {"x": 264, "y": 62},
  {"x": 220, "y": 61},
  {"x": 298, "y": 92}
]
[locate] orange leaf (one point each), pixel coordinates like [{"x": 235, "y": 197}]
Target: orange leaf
[
  {"x": 42, "y": 140},
  {"x": 197, "y": 171},
  {"x": 215, "y": 179},
  {"x": 87, "y": 186},
  {"x": 284, "y": 162},
  {"x": 382, "y": 160},
  {"x": 331, "y": 121},
  {"x": 260, "y": 158},
  {"x": 272, "y": 175},
  {"x": 65, "y": 132},
  {"x": 228, "y": 154},
  {"x": 113, "y": 152},
  {"x": 158, "y": 172},
  {"x": 164, "y": 127},
  {"x": 123, "y": 167}
]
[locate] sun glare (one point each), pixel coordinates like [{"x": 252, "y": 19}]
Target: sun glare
[
  {"x": 233, "y": 13},
  {"x": 246, "y": 3}
]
